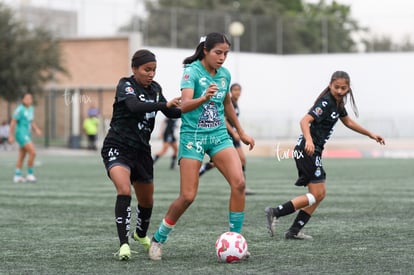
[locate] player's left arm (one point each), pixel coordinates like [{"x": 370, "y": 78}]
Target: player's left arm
[
  {"x": 36, "y": 129},
  {"x": 351, "y": 124},
  {"x": 230, "y": 114}
]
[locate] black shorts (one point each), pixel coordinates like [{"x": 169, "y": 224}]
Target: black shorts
[
  {"x": 169, "y": 138},
  {"x": 310, "y": 169},
  {"x": 139, "y": 163}
]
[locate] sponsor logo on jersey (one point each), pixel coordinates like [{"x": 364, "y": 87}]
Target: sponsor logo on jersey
[
  {"x": 318, "y": 111},
  {"x": 129, "y": 90}
]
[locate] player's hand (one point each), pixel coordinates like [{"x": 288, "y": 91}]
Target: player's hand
[
  {"x": 11, "y": 139},
  {"x": 175, "y": 102},
  {"x": 309, "y": 147},
  {"x": 378, "y": 139},
  {"x": 211, "y": 91},
  {"x": 248, "y": 140}
]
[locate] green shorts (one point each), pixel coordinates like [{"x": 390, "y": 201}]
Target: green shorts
[
  {"x": 23, "y": 138},
  {"x": 195, "y": 146}
]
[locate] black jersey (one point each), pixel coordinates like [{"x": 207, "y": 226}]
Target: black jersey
[
  {"x": 236, "y": 110},
  {"x": 326, "y": 113},
  {"x": 170, "y": 127},
  {"x": 134, "y": 128}
]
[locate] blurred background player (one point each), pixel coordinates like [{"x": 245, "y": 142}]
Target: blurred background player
[
  {"x": 126, "y": 150},
  {"x": 21, "y": 127},
  {"x": 317, "y": 126},
  {"x": 169, "y": 140},
  {"x": 235, "y": 91},
  {"x": 4, "y": 134},
  {"x": 91, "y": 126}
]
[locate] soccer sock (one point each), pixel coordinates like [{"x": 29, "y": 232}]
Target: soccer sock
[
  {"x": 30, "y": 170},
  {"x": 165, "y": 228},
  {"x": 173, "y": 158},
  {"x": 284, "y": 209},
  {"x": 301, "y": 220},
  {"x": 123, "y": 217},
  {"x": 143, "y": 220},
  {"x": 208, "y": 166},
  {"x": 18, "y": 172},
  {"x": 236, "y": 221}
]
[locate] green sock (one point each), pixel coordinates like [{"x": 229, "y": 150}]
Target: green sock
[
  {"x": 161, "y": 234},
  {"x": 18, "y": 172},
  {"x": 30, "y": 170},
  {"x": 236, "y": 221}
]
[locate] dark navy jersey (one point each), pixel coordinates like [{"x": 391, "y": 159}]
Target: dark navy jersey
[
  {"x": 132, "y": 127},
  {"x": 326, "y": 113},
  {"x": 236, "y": 109},
  {"x": 170, "y": 127}
]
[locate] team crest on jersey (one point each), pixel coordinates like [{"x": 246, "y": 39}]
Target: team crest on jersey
[
  {"x": 223, "y": 82},
  {"x": 318, "y": 111},
  {"x": 129, "y": 90},
  {"x": 209, "y": 117},
  {"x": 189, "y": 145},
  {"x": 186, "y": 77},
  {"x": 318, "y": 172}
]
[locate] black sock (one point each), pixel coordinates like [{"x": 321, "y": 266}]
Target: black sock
[
  {"x": 143, "y": 220},
  {"x": 123, "y": 217},
  {"x": 284, "y": 209},
  {"x": 173, "y": 158},
  {"x": 208, "y": 166},
  {"x": 301, "y": 220}
]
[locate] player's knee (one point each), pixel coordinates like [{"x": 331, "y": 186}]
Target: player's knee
[
  {"x": 239, "y": 185},
  {"x": 316, "y": 197},
  {"x": 187, "y": 199}
]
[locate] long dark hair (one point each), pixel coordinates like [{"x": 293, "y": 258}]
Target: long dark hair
[
  {"x": 336, "y": 75},
  {"x": 208, "y": 42}
]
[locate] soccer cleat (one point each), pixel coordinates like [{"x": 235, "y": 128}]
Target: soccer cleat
[
  {"x": 124, "y": 253},
  {"x": 271, "y": 221},
  {"x": 145, "y": 241},
  {"x": 248, "y": 191},
  {"x": 18, "y": 178},
  {"x": 155, "y": 250},
  {"x": 30, "y": 178},
  {"x": 298, "y": 236}
]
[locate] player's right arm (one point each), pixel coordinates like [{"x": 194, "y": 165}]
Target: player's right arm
[
  {"x": 12, "y": 128},
  {"x": 305, "y": 127}
]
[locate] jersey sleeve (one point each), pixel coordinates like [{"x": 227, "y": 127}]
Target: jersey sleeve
[
  {"x": 17, "y": 113},
  {"x": 188, "y": 79},
  {"x": 320, "y": 110},
  {"x": 343, "y": 113},
  {"x": 124, "y": 90}
]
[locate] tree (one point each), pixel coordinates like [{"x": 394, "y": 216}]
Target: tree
[
  {"x": 28, "y": 58},
  {"x": 283, "y": 26}
]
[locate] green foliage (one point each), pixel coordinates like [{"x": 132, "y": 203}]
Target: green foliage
[
  {"x": 64, "y": 223},
  {"x": 28, "y": 58},
  {"x": 283, "y": 26}
]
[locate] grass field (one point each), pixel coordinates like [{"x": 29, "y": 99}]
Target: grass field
[{"x": 64, "y": 224}]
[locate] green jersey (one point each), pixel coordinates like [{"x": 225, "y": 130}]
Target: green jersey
[
  {"x": 209, "y": 117},
  {"x": 24, "y": 117}
]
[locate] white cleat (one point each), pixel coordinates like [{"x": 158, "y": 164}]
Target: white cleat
[
  {"x": 31, "y": 178},
  {"x": 17, "y": 179}
]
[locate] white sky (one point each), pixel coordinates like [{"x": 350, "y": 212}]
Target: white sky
[{"x": 102, "y": 17}]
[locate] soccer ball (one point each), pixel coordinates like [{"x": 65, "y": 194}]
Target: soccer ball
[{"x": 231, "y": 247}]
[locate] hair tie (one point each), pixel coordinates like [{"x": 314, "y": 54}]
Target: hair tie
[{"x": 202, "y": 39}]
